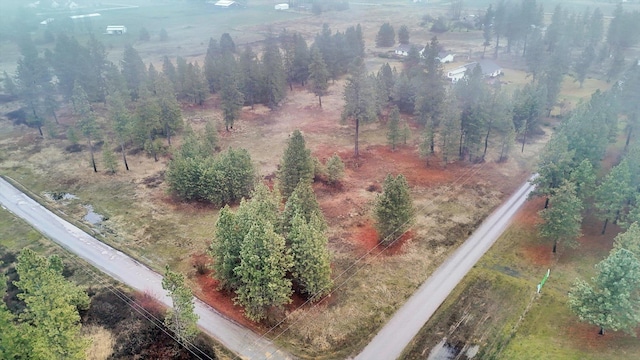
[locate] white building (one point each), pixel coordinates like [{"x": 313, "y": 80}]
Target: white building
[
  {"x": 282, "y": 7},
  {"x": 116, "y": 30},
  {"x": 226, "y": 4}
]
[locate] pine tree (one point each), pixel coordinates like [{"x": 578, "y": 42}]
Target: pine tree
[
  {"x": 563, "y": 219},
  {"x": 264, "y": 263},
  {"x": 403, "y": 35},
  {"x": 181, "y": 319},
  {"x": 86, "y": 123},
  {"x": 296, "y": 165},
  {"x": 554, "y": 165},
  {"x": 121, "y": 121},
  {"x": 170, "y": 113},
  {"x": 611, "y": 301},
  {"x": 52, "y": 305},
  {"x": 311, "y": 268},
  {"x": 335, "y": 169},
  {"x": 225, "y": 248},
  {"x": 226, "y": 44},
  {"x": 274, "y": 79},
  {"x": 394, "y": 131},
  {"x": 108, "y": 158},
  {"x": 318, "y": 74},
  {"x": 630, "y": 239},
  {"x": 302, "y": 202},
  {"x": 133, "y": 71},
  {"x": 360, "y": 101},
  {"x": 613, "y": 193},
  {"x": 251, "y": 75},
  {"x": 230, "y": 95},
  {"x": 386, "y": 36},
  {"x": 394, "y": 210}
]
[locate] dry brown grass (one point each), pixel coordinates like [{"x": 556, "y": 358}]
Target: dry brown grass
[{"x": 102, "y": 342}]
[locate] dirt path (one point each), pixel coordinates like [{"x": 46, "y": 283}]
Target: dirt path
[
  {"x": 405, "y": 324},
  {"x": 121, "y": 267}
]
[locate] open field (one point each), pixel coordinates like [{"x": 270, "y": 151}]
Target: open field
[{"x": 142, "y": 219}]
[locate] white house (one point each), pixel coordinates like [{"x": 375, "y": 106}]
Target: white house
[
  {"x": 116, "y": 29},
  {"x": 226, "y": 4},
  {"x": 489, "y": 70},
  {"x": 445, "y": 57},
  {"x": 282, "y": 7}
]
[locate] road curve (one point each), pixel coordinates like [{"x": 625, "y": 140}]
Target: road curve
[
  {"x": 389, "y": 343},
  {"x": 242, "y": 341}
]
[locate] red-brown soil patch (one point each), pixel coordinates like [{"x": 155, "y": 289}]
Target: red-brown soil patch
[
  {"x": 586, "y": 336},
  {"x": 221, "y": 300},
  {"x": 528, "y": 216},
  {"x": 539, "y": 255},
  {"x": 365, "y": 237}
]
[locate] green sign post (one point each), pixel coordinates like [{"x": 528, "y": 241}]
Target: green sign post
[{"x": 544, "y": 280}]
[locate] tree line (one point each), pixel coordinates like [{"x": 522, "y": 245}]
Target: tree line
[{"x": 567, "y": 178}]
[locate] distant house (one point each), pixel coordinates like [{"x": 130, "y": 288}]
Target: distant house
[
  {"x": 282, "y": 7},
  {"x": 404, "y": 49},
  {"x": 226, "y": 4},
  {"x": 445, "y": 57},
  {"x": 116, "y": 30},
  {"x": 489, "y": 70}
]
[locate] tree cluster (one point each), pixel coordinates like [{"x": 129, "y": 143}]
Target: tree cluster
[
  {"x": 262, "y": 250},
  {"x": 49, "y": 326},
  {"x": 196, "y": 174}
]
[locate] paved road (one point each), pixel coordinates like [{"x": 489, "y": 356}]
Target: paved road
[
  {"x": 389, "y": 343},
  {"x": 121, "y": 267}
]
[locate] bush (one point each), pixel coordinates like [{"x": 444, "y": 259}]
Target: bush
[
  {"x": 440, "y": 26},
  {"x": 335, "y": 169},
  {"x": 222, "y": 180}
]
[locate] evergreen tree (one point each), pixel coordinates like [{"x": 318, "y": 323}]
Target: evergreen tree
[
  {"x": 296, "y": 165},
  {"x": 274, "y": 79},
  {"x": 226, "y": 44},
  {"x": 121, "y": 121},
  {"x": 86, "y": 123},
  {"x": 52, "y": 305},
  {"x": 211, "y": 69},
  {"x": 264, "y": 263},
  {"x": 301, "y": 60},
  {"x": 108, "y": 158},
  {"x": 230, "y": 95},
  {"x": 163, "y": 35},
  {"x": 318, "y": 74},
  {"x": 583, "y": 63},
  {"x": 403, "y": 35},
  {"x": 231, "y": 177},
  {"x": 311, "y": 268},
  {"x": 250, "y": 77},
  {"x": 394, "y": 210},
  {"x": 487, "y": 30},
  {"x": 302, "y": 202},
  {"x": 394, "y": 131},
  {"x": 133, "y": 71},
  {"x": 170, "y": 113},
  {"x": 359, "y": 99},
  {"x": 181, "y": 319},
  {"x": 613, "y": 193},
  {"x": 611, "y": 301},
  {"x": 169, "y": 70},
  {"x": 629, "y": 240},
  {"x": 584, "y": 177},
  {"x": 554, "y": 166},
  {"x": 147, "y": 122},
  {"x": 563, "y": 220},
  {"x": 34, "y": 82},
  {"x": 335, "y": 169},
  {"x": 386, "y": 36},
  {"x": 225, "y": 248}
]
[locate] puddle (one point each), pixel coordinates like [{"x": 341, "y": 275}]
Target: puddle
[
  {"x": 446, "y": 351},
  {"x": 92, "y": 217},
  {"x": 58, "y": 196},
  {"x": 443, "y": 351}
]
